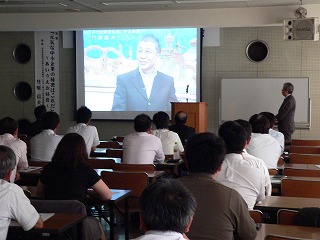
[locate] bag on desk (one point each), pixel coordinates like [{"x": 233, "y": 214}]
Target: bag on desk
[{"x": 308, "y": 217}]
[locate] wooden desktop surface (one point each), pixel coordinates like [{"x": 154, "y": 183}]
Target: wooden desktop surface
[
  {"x": 302, "y": 166},
  {"x": 288, "y": 231}
]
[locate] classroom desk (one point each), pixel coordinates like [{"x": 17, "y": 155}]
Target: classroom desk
[
  {"x": 116, "y": 160},
  {"x": 117, "y": 195},
  {"x": 30, "y": 176},
  {"x": 99, "y": 152},
  {"x": 57, "y": 224},
  {"x": 173, "y": 167},
  {"x": 302, "y": 166},
  {"x": 288, "y": 231},
  {"x": 151, "y": 176}
]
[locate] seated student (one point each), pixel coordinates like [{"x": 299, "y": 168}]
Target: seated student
[
  {"x": 167, "y": 209},
  {"x": 141, "y": 147},
  {"x": 167, "y": 137},
  {"x": 9, "y": 137},
  {"x": 221, "y": 211},
  {"x": 275, "y": 134},
  {"x": 262, "y": 145},
  {"x": 237, "y": 173},
  {"x": 14, "y": 203},
  {"x": 89, "y": 133},
  {"x": 252, "y": 160},
  {"x": 181, "y": 128},
  {"x": 43, "y": 145},
  {"x": 36, "y": 127}
]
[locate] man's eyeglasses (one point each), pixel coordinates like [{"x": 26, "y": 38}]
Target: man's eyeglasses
[{"x": 146, "y": 52}]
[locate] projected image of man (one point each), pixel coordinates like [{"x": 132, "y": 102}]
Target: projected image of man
[{"x": 145, "y": 88}]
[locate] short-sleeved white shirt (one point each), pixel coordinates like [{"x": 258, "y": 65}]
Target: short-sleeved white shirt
[
  {"x": 239, "y": 175},
  {"x": 278, "y": 136},
  {"x": 261, "y": 166},
  {"x": 43, "y": 145},
  {"x": 15, "y": 205},
  {"x": 160, "y": 235},
  {"x": 89, "y": 133},
  {"x": 142, "y": 148},
  {"x": 19, "y": 148},
  {"x": 168, "y": 139},
  {"x": 265, "y": 147}
]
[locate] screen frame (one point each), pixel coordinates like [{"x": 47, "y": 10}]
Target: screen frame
[{"x": 124, "y": 115}]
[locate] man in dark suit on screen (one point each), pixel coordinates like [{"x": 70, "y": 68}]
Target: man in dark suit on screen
[
  {"x": 286, "y": 112},
  {"x": 145, "y": 89}
]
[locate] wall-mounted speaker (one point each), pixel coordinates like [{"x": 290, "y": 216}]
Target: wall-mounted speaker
[{"x": 301, "y": 29}]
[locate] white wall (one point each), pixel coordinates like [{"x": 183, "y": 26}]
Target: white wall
[{"x": 227, "y": 17}]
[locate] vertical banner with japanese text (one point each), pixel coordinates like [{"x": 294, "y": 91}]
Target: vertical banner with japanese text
[{"x": 47, "y": 70}]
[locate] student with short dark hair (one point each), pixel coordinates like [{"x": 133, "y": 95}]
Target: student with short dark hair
[
  {"x": 221, "y": 211},
  {"x": 141, "y": 147},
  {"x": 44, "y": 144},
  {"x": 9, "y": 137},
  {"x": 89, "y": 133},
  {"x": 237, "y": 173},
  {"x": 14, "y": 203},
  {"x": 262, "y": 145},
  {"x": 166, "y": 210}
]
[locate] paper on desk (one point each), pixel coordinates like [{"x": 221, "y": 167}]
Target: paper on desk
[
  {"x": 29, "y": 169},
  {"x": 44, "y": 216}
]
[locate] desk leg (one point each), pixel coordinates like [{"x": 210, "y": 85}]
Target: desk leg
[
  {"x": 126, "y": 219},
  {"x": 112, "y": 224}
]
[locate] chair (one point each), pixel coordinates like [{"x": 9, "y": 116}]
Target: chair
[
  {"x": 295, "y": 187},
  {"x": 115, "y": 153},
  {"x": 305, "y": 150},
  {"x": 302, "y": 142},
  {"x": 273, "y": 171},
  {"x": 286, "y": 216},
  {"x": 304, "y": 158},
  {"x": 101, "y": 163},
  {"x": 148, "y": 168},
  {"x": 37, "y": 163},
  {"x": 301, "y": 172},
  {"x": 119, "y": 138},
  {"x": 136, "y": 182},
  {"x": 109, "y": 144},
  {"x": 278, "y": 237},
  {"x": 256, "y": 215}
]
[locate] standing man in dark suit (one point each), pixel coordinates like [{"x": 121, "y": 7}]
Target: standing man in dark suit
[
  {"x": 181, "y": 128},
  {"x": 145, "y": 89},
  {"x": 286, "y": 112}
]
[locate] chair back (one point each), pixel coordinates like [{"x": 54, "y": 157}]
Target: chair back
[
  {"x": 295, "y": 187},
  {"x": 136, "y": 182},
  {"x": 301, "y": 172},
  {"x": 115, "y": 153},
  {"x": 119, "y": 138},
  {"x": 304, "y": 158},
  {"x": 286, "y": 216},
  {"x": 37, "y": 163},
  {"x": 305, "y": 149},
  {"x": 109, "y": 144},
  {"x": 302, "y": 142},
  {"x": 101, "y": 163},
  {"x": 58, "y": 206},
  {"x": 273, "y": 171},
  {"x": 148, "y": 168},
  {"x": 256, "y": 215}
]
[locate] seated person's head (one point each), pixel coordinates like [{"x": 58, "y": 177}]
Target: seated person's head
[
  {"x": 50, "y": 120},
  {"x": 39, "y": 111},
  {"x": 180, "y": 118},
  {"x": 83, "y": 115},
  {"x": 247, "y": 127},
  {"x": 234, "y": 136},
  {"x": 71, "y": 151},
  {"x": 205, "y": 153},
  {"x": 271, "y": 117},
  {"x": 259, "y": 123},
  {"x": 7, "y": 162},
  {"x": 8, "y": 125},
  {"x": 166, "y": 205},
  {"x": 161, "y": 120},
  {"x": 142, "y": 123}
]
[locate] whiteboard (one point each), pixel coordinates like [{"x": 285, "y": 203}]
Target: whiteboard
[{"x": 243, "y": 97}]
